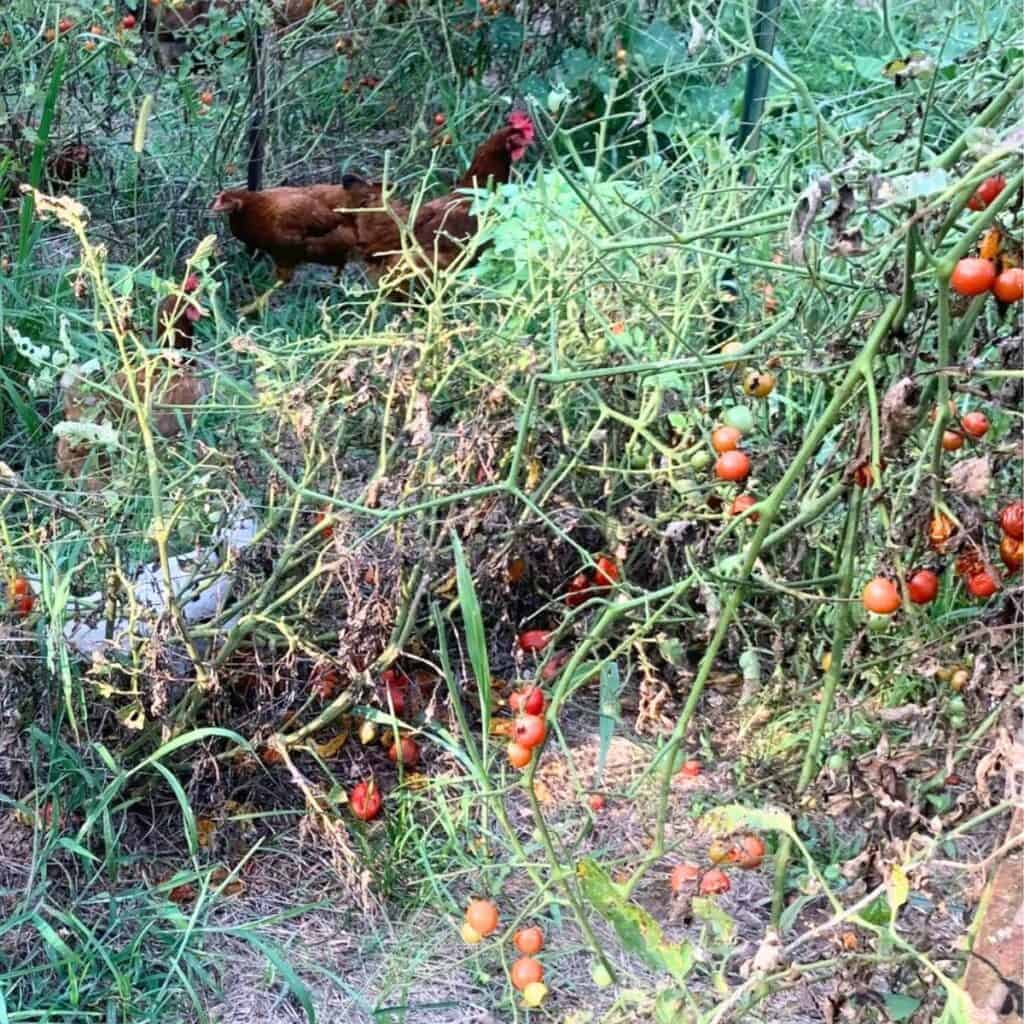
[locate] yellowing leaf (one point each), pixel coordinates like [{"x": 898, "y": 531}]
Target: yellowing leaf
[
  {"x": 204, "y": 831},
  {"x": 899, "y": 889},
  {"x": 533, "y": 471}
]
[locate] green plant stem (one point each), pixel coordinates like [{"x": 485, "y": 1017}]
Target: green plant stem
[{"x": 835, "y": 670}]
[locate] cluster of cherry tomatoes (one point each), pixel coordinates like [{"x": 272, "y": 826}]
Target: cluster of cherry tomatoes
[
  {"x": 991, "y": 270},
  {"x": 746, "y": 852},
  {"x": 527, "y": 973},
  {"x": 882, "y": 596}
]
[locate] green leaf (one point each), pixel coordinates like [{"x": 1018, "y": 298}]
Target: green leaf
[
  {"x": 900, "y": 1007},
  {"x": 658, "y": 46},
  {"x": 476, "y": 637},
  {"x": 711, "y": 911},
  {"x": 636, "y": 929},
  {"x": 506, "y": 33},
  {"x": 877, "y": 911}
]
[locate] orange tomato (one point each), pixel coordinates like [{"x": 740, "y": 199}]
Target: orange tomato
[
  {"x": 714, "y": 883},
  {"x": 683, "y": 875},
  {"x": 983, "y": 584},
  {"x": 741, "y": 503},
  {"x": 482, "y": 917},
  {"x": 725, "y": 439},
  {"x": 530, "y": 731},
  {"x": 748, "y": 852},
  {"x": 975, "y": 424},
  {"x": 596, "y": 803},
  {"x": 952, "y": 441},
  {"x": 518, "y": 755},
  {"x": 1011, "y": 520},
  {"x": 1011, "y": 551},
  {"x": 881, "y": 596},
  {"x": 529, "y": 941},
  {"x": 691, "y": 769},
  {"x": 940, "y": 529},
  {"x": 1009, "y": 285},
  {"x": 406, "y": 750},
  {"x": 525, "y": 971}
]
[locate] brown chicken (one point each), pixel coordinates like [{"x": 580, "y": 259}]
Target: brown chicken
[
  {"x": 292, "y": 224},
  {"x": 442, "y": 227}
]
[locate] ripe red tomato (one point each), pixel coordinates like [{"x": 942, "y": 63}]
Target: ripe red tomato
[
  {"x": 396, "y": 690},
  {"x": 1011, "y": 552},
  {"x": 439, "y": 119},
  {"x": 725, "y": 439},
  {"x": 683, "y": 875},
  {"x": 606, "y": 574},
  {"x": 741, "y": 503},
  {"x": 923, "y": 586},
  {"x": 24, "y": 605},
  {"x": 525, "y": 971},
  {"x": 534, "y": 639},
  {"x": 529, "y": 941},
  {"x": 862, "y": 475},
  {"x": 951, "y": 440},
  {"x": 691, "y": 769},
  {"x": 714, "y": 883},
  {"x": 1009, "y": 286},
  {"x": 554, "y": 665},
  {"x": 734, "y": 465},
  {"x": 365, "y": 800},
  {"x": 65, "y": 25},
  {"x": 529, "y": 700},
  {"x": 973, "y": 276},
  {"x": 482, "y": 917},
  {"x": 975, "y": 424},
  {"x": 983, "y": 584},
  {"x": 18, "y": 587},
  {"x": 530, "y": 731},
  {"x": 128, "y": 21},
  {"x": 596, "y": 803},
  {"x": 518, "y": 755},
  {"x": 1011, "y": 520},
  {"x": 881, "y": 595},
  {"x": 579, "y": 590},
  {"x": 406, "y": 750},
  {"x": 206, "y": 98},
  {"x": 986, "y": 192}
]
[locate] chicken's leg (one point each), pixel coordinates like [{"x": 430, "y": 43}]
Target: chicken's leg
[{"x": 284, "y": 275}]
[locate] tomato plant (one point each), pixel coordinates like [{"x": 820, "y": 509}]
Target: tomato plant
[
  {"x": 973, "y": 276},
  {"x": 881, "y": 596},
  {"x": 923, "y": 586}
]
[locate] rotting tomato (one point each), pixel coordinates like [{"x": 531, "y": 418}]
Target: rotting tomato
[
  {"x": 530, "y": 731},
  {"x": 325, "y": 681},
  {"x": 406, "y": 751},
  {"x": 516, "y": 570},
  {"x": 973, "y": 276},
  {"x": 986, "y": 192},
  {"x": 683, "y": 875},
  {"x": 923, "y": 586},
  {"x": 991, "y": 244},
  {"x": 518, "y": 755},
  {"x": 1011, "y": 520},
  {"x": 534, "y": 639},
  {"x": 748, "y": 852},
  {"x": 758, "y": 385},
  {"x": 578, "y": 591},
  {"x": 940, "y": 529},
  {"x": 969, "y": 563},
  {"x": 714, "y": 882},
  {"x": 952, "y": 441},
  {"x": 606, "y": 574},
  {"x": 1011, "y": 551},
  {"x": 365, "y": 800},
  {"x": 983, "y": 584},
  {"x": 725, "y": 439},
  {"x": 734, "y": 465},
  {"x": 529, "y": 941},
  {"x": 881, "y": 596},
  {"x": 1009, "y": 285},
  {"x": 975, "y": 424},
  {"x": 526, "y": 971},
  {"x": 741, "y": 503},
  {"x": 482, "y": 916},
  {"x": 719, "y": 851}
]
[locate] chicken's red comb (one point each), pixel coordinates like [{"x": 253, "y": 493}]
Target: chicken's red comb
[{"x": 522, "y": 123}]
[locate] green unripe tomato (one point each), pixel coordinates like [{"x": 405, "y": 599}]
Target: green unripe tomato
[
  {"x": 599, "y": 975},
  {"x": 740, "y": 418},
  {"x": 701, "y": 459}
]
